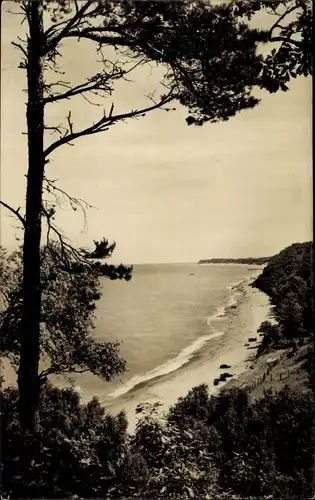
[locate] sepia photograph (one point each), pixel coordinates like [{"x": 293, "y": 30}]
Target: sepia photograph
[{"x": 156, "y": 250}]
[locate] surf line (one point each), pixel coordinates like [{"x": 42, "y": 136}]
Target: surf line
[{"x": 170, "y": 366}]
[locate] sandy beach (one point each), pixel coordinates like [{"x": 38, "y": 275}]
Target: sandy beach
[{"x": 241, "y": 321}]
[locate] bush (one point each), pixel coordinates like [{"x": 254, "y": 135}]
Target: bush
[
  {"x": 265, "y": 448},
  {"x": 166, "y": 461},
  {"x": 76, "y": 448},
  {"x": 206, "y": 446},
  {"x": 79, "y": 450}
]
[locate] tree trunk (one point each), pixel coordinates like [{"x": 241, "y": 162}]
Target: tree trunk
[{"x": 30, "y": 328}]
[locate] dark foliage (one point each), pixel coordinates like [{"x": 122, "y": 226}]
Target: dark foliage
[
  {"x": 76, "y": 450},
  {"x": 309, "y": 365},
  {"x": 293, "y": 30},
  {"x": 271, "y": 337},
  {"x": 288, "y": 281},
  {"x": 260, "y": 449},
  {"x": 175, "y": 463},
  {"x": 207, "y": 446},
  {"x": 80, "y": 450}
]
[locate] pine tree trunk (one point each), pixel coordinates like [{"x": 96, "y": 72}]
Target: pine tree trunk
[{"x": 29, "y": 352}]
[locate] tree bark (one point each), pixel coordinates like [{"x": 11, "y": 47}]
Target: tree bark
[{"x": 30, "y": 326}]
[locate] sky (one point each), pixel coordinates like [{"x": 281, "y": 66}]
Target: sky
[{"x": 166, "y": 192}]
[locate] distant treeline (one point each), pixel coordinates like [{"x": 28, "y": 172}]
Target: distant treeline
[{"x": 246, "y": 260}]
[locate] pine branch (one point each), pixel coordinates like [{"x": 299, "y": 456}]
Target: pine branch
[
  {"x": 15, "y": 212},
  {"x": 67, "y": 254}
]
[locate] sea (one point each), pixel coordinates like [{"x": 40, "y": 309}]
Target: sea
[{"x": 162, "y": 318}]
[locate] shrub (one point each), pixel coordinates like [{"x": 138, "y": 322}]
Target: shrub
[
  {"x": 206, "y": 446},
  {"x": 77, "y": 447},
  {"x": 265, "y": 448},
  {"x": 166, "y": 461}
]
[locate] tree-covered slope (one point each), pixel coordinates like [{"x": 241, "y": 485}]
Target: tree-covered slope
[
  {"x": 293, "y": 260},
  {"x": 288, "y": 280}
]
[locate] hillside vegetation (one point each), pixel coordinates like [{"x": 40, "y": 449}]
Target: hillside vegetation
[
  {"x": 208, "y": 446},
  {"x": 288, "y": 281}
]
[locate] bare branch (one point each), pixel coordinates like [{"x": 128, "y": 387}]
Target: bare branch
[
  {"x": 70, "y": 123},
  {"x": 66, "y": 249},
  {"x": 15, "y": 212},
  {"x": 72, "y": 200},
  {"x": 59, "y": 83},
  {"x": 105, "y": 122},
  {"x": 285, "y": 40},
  {"x": 54, "y": 28},
  {"x": 75, "y": 203},
  {"x": 57, "y": 128},
  {"x": 90, "y": 102},
  {"x": 69, "y": 31},
  {"x": 70, "y": 24},
  {"x": 115, "y": 41},
  {"x": 19, "y": 46},
  {"x": 277, "y": 23},
  {"x": 99, "y": 84},
  {"x": 70, "y": 370},
  {"x": 60, "y": 370},
  {"x": 94, "y": 84},
  {"x": 44, "y": 373}
]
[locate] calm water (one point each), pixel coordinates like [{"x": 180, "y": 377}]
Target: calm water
[{"x": 161, "y": 317}]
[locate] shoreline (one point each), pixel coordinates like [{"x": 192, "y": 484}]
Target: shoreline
[
  {"x": 241, "y": 321},
  {"x": 187, "y": 354}
]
